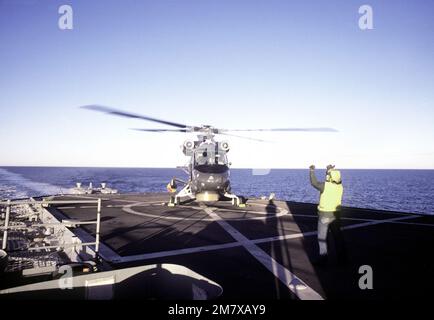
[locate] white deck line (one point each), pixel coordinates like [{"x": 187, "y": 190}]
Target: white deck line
[
  {"x": 371, "y": 223},
  {"x": 129, "y": 209},
  {"x": 313, "y": 233},
  {"x": 283, "y": 212},
  {"x": 413, "y": 224},
  {"x": 90, "y": 207},
  {"x": 168, "y": 253},
  {"x": 389, "y": 220},
  {"x": 288, "y": 278}
]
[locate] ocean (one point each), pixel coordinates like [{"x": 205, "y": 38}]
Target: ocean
[{"x": 397, "y": 190}]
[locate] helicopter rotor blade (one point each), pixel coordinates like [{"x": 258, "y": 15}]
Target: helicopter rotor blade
[
  {"x": 160, "y": 130},
  {"x": 131, "y": 115},
  {"x": 241, "y": 137},
  {"x": 284, "y": 129}
]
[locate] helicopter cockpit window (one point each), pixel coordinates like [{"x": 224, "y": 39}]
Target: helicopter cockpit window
[
  {"x": 221, "y": 158},
  {"x": 202, "y": 157},
  {"x": 208, "y": 155}
]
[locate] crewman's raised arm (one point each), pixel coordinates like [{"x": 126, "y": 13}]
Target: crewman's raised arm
[{"x": 313, "y": 180}]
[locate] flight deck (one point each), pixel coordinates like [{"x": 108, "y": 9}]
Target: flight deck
[{"x": 266, "y": 250}]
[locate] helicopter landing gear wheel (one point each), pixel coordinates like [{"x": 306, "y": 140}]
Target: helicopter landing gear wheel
[
  {"x": 185, "y": 192},
  {"x": 236, "y": 201}
]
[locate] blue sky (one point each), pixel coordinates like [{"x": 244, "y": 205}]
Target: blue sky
[{"x": 232, "y": 64}]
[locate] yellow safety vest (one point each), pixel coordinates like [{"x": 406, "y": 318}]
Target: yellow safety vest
[
  {"x": 331, "y": 198},
  {"x": 170, "y": 188}
]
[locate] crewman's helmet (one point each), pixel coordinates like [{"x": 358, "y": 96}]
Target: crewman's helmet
[{"x": 334, "y": 176}]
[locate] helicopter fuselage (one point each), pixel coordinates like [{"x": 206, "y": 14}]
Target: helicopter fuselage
[
  {"x": 209, "y": 167},
  {"x": 217, "y": 181}
]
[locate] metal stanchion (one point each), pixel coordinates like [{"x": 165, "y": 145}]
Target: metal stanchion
[
  {"x": 98, "y": 219},
  {"x": 5, "y": 232}
]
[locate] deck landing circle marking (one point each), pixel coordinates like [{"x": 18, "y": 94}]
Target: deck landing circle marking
[{"x": 129, "y": 209}]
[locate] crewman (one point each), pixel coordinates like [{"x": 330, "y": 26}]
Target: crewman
[
  {"x": 171, "y": 188},
  {"x": 331, "y": 191}
]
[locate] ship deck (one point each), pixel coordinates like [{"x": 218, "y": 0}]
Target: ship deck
[{"x": 266, "y": 250}]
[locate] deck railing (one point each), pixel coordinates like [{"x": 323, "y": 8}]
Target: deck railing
[{"x": 6, "y": 227}]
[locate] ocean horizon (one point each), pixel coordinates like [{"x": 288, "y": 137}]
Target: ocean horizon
[{"x": 402, "y": 190}]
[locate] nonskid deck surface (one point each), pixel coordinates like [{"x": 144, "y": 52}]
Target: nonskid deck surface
[{"x": 266, "y": 250}]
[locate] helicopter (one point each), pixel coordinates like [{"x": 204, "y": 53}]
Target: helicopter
[{"x": 208, "y": 168}]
